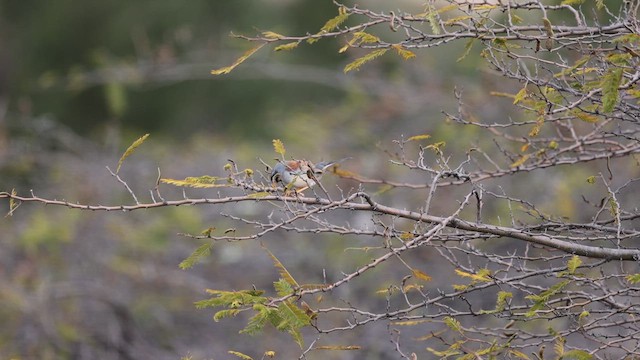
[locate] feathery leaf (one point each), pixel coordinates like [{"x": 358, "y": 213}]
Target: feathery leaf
[
  {"x": 284, "y": 273},
  {"x": 131, "y": 149},
  {"x": 202, "y": 251},
  {"x": 610, "y": 83},
  {"x": 287, "y": 46},
  {"x": 278, "y": 146},
  {"x": 240, "y": 60},
  {"x": 357, "y": 63}
]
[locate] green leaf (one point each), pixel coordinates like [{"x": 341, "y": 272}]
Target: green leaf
[
  {"x": 258, "y": 321},
  {"x": 545, "y": 295},
  {"x": 453, "y": 324},
  {"x": 591, "y": 179},
  {"x": 633, "y": 279},
  {"x": 232, "y": 299},
  {"x": 225, "y": 314},
  {"x": 540, "y": 300},
  {"x": 283, "y": 288},
  {"x": 433, "y": 19},
  {"x": 357, "y": 63},
  {"x": 292, "y": 320},
  {"x": 502, "y": 300},
  {"x": 131, "y": 149},
  {"x": 202, "y": 251},
  {"x": 610, "y": 83},
  {"x": 284, "y": 273}
]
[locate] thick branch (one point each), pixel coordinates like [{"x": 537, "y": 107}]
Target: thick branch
[{"x": 370, "y": 205}]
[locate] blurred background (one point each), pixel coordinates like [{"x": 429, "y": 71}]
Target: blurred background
[{"x": 80, "y": 80}]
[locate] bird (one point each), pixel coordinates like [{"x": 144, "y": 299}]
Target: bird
[{"x": 299, "y": 174}]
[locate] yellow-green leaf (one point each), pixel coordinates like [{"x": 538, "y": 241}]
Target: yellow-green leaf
[
  {"x": 259, "y": 195},
  {"x": 558, "y": 347},
  {"x": 573, "y": 264},
  {"x": 583, "y": 314},
  {"x": 448, "y": 8},
  {"x": 591, "y": 179},
  {"x": 196, "y": 182},
  {"x": 13, "y": 204},
  {"x": 240, "y": 60},
  {"x": 586, "y": 117},
  {"x": 520, "y": 161},
  {"x": 240, "y": 355},
  {"x": 202, "y": 251},
  {"x": 633, "y": 279},
  {"x": 336, "y": 21},
  {"x": 535, "y": 130},
  {"x": 576, "y": 355},
  {"x": 610, "y": 83},
  {"x": 484, "y": 7},
  {"x": 278, "y": 146},
  {"x": 453, "y": 324},
  {"x": 437, "y": 147},
  {"x": 548, "y": 43},
  {"x": 284, "y": 273},
  {"x": 521, "y": 95},
  {"x": 131, "y": 149},
  {"x": 357, "y": 63},
  {"x": 287, "y": 46},
  {"x": 502, "y": 300},
  {"x": 421, "y": 275},
  {"x": 404, "y": 53},
  {"x": 482, "y": 275},
  {"x": 519, "y": 354},
  {"x": 272, "y": 35},
  {"x": 467, "y": 49},
  {"x": 456, "y": 19},
  {"x": 409, "y": 322},
  {"x": 433, "y": 20},
  {"x": 338, "y": 347},
  {"x": 419, "y": 137}
]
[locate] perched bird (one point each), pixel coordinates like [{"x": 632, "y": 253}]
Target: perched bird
[{"x": 299, "y": 174}]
